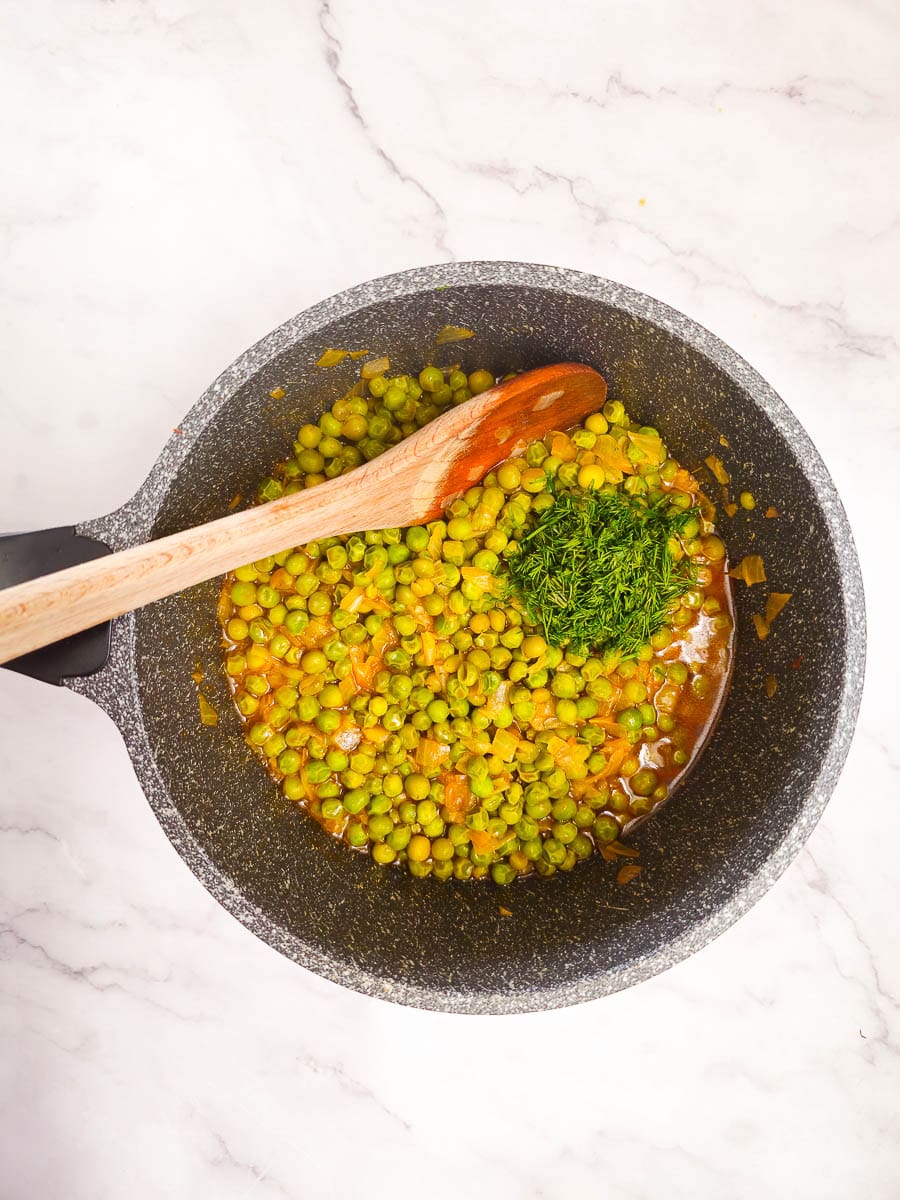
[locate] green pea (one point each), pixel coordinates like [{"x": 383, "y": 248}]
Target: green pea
[
  {"x": 279, "y": 645},
  {"x": 458, "y": 529},
  {"x": 606, "y": 829},
  {"x": 502, "y": 873},
  {"x": 409, "y": 738},
  {"x": 305, "y": 585},
  {"x": 630, "y": 719},
  {"x": 644, "y": 781},
  {"x": 399, "y": 837},
  {"x": 397, "y": 555},
  {"x": 563, "y": 686},
  {"x": 256, "y": 685},
  {"x": 462, "y": 640},
  {"x": 434, "y": 828},
  {"x": 309, "y": 436},
  {"x": 335, "y": 650},
  {"x": 319, "y": 604},
  {"x": 373, "y": 623},
  {"x": 354, "y": 635},
  {"x": 355, "y": 834},
  {"x": 398, "y": 659},
  {"x": 406, "y": 811},
  {"x": 526, "y": 828},
  {"x": 311, "y": 461},
  {"x": 584, "y": 816},
  {"x": 477, "y": 767},
  {"x": 677, "y": 672},
  {"x": 431, "y": 378},
  {"x": 330, "y": 696},
  {"x": 296, "y": 621},
  {"x": 565, "y": 831},
  {"x": 379, "y": 805},
  {"x": 292, "y": 788},
  {"x": 416, "y": 787},
  {"x": 394, "y": 397},
  {"x": 274, "y": 745},
  {"x": 289, "y": 762},
  {"x": 380, "y": 825},
  {"x": 393, "y": 719},
  {"x": 485, "y": 560},
  {"x": 581, "y": 846},
  {"x": 269, "y": 489},
  {"x": 362, "y": 761},
  {"x": 327, "y": 575},
  {"x": 400, "y": 687},
  {"x": 480, "y": 381},
  {"x": 557, "y": 782},
  {"x": 553, "y": 656},
  {"x": 419, "y": 848},
  {"x": 355, "y": 800},
  {"x": 337, "y": 557},
  {"x": 318, "y": 772},
  {"x": 564, "y": 809},
  {"x": 278, "y": 716},
  {"x": 375, "y": 559},
  {"x": 242, "y": 594},
  {"x": 490, "y": 681},
  {"x": 553, "y": 851},
  {"x": 328, "y": 721},
  {"x": 267, "y": 596},
  {"x": 532, "y": 848},
  {"x": 329, "y": 425},
  {"x": 307, "y": 708},
  {"x": 509, "y": 476},
  {"x": 392, "y": 785},
  {"x": 634, "y": 691},
  {"x": 433, "y": 604},
  {"x": 260, "y": 630},
  {"x": 441, "y": 849},
  {"x": 454, "y": 555}
]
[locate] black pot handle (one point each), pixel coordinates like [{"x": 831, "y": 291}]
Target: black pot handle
[{"x": 28, "y": 555}]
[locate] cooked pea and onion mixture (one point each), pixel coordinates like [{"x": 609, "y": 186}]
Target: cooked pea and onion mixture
[{"x": 501, "y": 692}]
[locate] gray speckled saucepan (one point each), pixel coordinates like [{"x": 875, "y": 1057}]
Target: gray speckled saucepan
[{"x": 728, "y": 833}]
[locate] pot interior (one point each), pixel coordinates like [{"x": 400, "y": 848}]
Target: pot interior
[{"x": 447, "y": 945}]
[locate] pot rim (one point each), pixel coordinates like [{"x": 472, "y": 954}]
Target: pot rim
[{"x": 115, "y": 687}]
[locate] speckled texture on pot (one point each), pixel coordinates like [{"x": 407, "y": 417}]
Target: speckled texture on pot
[{"x": 727, "y": 835}]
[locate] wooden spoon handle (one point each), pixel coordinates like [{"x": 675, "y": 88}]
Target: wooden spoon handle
[
  {"x": 411, "y": 482},
  {"x": 52, "y": 607}
]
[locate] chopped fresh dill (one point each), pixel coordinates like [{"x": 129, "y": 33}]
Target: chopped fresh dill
[{"x": 596, "y": 571}]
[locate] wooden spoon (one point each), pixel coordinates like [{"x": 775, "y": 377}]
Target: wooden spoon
[{"x": 411, "y": 483}]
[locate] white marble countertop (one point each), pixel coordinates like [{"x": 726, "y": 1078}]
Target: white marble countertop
[{"x": 181, "y": 176}]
